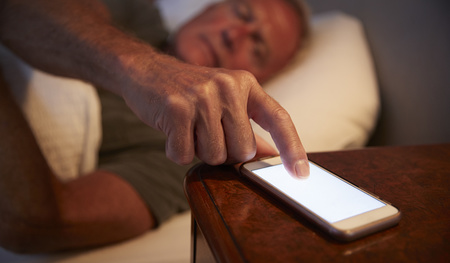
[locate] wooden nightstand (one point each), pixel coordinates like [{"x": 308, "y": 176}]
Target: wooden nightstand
[{"x": 234, "y": 221}]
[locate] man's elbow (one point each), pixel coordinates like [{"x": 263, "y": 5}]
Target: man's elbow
[
  {"x": 15, "y": 242},
  {"x": 24, "y": 238}
]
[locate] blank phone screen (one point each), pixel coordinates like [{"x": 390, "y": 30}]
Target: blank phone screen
[{"x": 322, "y": 193}]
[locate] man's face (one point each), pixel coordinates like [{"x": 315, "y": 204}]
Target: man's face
[{"x": 254, "y": 35}]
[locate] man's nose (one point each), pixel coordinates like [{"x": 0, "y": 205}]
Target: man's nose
[
  {"x": 241, "y": 30},
  {"x": 236, "y": 33}
]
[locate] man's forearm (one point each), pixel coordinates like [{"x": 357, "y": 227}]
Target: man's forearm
[
  {"x": 40, "y": 214},
  {"x": 70, "y": 38}
]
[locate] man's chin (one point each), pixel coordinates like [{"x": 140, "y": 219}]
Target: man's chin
[{"x": 196, "y": 61}]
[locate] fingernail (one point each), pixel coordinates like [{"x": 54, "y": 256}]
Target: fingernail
[{"x": 302, "y": 169}]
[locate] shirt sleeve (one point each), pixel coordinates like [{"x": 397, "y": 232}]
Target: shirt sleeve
[{"x": 140, "y": 18}]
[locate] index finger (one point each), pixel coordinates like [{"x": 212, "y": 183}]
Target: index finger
[{"x": 273, "y": 118}]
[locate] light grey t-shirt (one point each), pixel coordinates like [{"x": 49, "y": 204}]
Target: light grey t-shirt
[{"x": 140, "y": 18}]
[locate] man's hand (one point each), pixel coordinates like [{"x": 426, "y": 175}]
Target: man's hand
[
  {"x": 203, "y": 111},
  {"x": 206, "y": 111}
]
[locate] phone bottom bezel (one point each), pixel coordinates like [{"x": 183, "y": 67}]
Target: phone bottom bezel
[
  {"x": 352, "y": 228},
  {"x": 365, "y": 224}
]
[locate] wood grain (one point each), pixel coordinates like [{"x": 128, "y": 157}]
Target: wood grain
[{"x": 243, "y": 224}]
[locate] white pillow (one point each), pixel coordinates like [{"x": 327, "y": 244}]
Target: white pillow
[
  {"x": 63, "y": 113},
  {"x": 177, "y": 12},
  {"x": 329, "y": 89}
]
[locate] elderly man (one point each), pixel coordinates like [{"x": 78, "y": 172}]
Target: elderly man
[{"x": 202, "y": 106}]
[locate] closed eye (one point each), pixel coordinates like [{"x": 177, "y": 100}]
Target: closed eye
[
  {"x": 260, "y": 50},
  {"x": 243, "y": 11}
]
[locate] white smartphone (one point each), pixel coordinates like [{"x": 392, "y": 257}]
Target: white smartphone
[{"x": 342, "y": 209}]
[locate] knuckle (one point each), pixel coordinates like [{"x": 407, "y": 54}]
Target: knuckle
[
  {"x": 233, "y": 89},
  {"x": 175, "y": 114},
  {"x": 178, "y": 110},
  {"x": 175, "y": 104},
  {"x": 223, "y": 78},
  {"x": 280, "y": 114},
  {"x": 234, "y": 79},
  {"x": 248, "y": 77},
  {"x": 179, "y": 157}
]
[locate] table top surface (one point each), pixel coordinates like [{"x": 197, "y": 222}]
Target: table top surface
[{"x": 243, "y": 224}]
